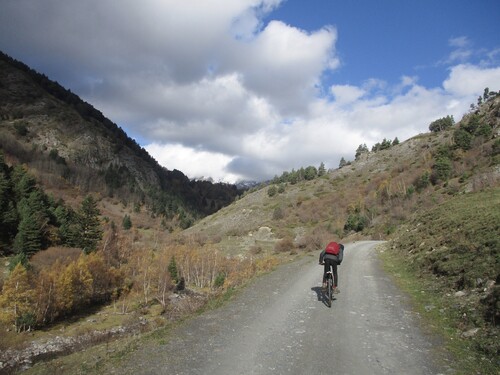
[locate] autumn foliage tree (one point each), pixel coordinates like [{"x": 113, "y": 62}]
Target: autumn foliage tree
[{"x": 17, "y": 300}]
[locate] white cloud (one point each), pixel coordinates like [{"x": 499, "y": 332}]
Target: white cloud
[
  {"x": 283, "y": 64},
  {"x": 470, "y": 80},
  {"x": 345, "y": 94},
  {"x": 192, "y": 162}
]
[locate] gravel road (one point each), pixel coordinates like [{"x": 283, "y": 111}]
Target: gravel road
[{"x": 280, "y": 325}]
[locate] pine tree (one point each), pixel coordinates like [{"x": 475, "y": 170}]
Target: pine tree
[
  {"x": 33, "y": 221},
  {"x": 342, "y": 162},
  {"x": 89, "y": 224},
  {"x": 321, "y": 169},
  {"x": 8, "y": 213},
  {"x": 126, "y": 223},
  {"x": 23, "y": 182},
  {"x": 172, "y": 269}
]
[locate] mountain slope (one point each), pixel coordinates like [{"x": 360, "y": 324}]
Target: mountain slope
[{"x": 58, "y": 135}]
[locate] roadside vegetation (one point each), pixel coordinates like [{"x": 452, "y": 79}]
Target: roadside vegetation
[{"x": 448, "y": 259}]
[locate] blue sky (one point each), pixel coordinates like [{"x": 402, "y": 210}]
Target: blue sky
[
  {"x": 246, "y": 89},
  {"x": 391, "y": 38}
]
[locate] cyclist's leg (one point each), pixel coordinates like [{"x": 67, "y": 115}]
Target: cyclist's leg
[{"x": 325, "y": 270}]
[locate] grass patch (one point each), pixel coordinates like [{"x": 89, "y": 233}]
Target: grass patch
[
  {"x": 447, "y": 259},
  {"x": 440, "y": 316}
]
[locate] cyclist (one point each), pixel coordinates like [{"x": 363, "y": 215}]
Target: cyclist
[{"x": 331, "y": 257}]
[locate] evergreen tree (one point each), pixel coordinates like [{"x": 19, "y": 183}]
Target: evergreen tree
[
  {"x": 172, "y": 269},
  {"x": 23, "y": 182},
  {"x": 321, "y": 169},
  {"x": 362, "y": 149},
  {"x": 33, "y": 221},
  {"x": 126, "y": 223},
  {"x": 89, "y": 224},
  {"x": 342, "y": 162},
  {"x": 385, "y": 144},
  {"x": 8, "y": 213},
  {"x": 68, "y": 223}
]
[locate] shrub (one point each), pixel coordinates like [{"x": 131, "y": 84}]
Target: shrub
[
  {"x": 284, "y": 245},
  {"x": 21, "y": 129},
  {"x": 409, "y": 191},
  {"x": 462, "y": 139},
  {"x": 172, "y": 269},
  {"x": 219, "y": 280},
  {"x": 272, "y": 191},
  {"x": 356, "y": 222},
  {"x": 484, "y": 130},
  {"x": 423, "y": 181},
  {"x": 495, "y": 149},
  {"x": 278, "y": 213},
  {"x": 126, "y": 223},
  {"x": 441, "y": 170}
]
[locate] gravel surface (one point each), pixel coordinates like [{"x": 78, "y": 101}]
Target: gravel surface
[{"x": 280, "y": 325}]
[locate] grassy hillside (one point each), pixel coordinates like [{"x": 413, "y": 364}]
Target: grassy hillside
[{"x": 448, "y": 259}]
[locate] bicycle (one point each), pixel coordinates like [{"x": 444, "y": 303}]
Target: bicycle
[{"x": 329, "y": 287}]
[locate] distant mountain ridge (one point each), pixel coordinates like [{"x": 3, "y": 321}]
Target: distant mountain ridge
[{"x": 56, "y": 133}]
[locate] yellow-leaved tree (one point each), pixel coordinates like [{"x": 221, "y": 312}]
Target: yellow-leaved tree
[{"x": 16, "y": 300}]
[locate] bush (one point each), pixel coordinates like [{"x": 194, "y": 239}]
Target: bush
[
  {"x": 441, "y": 170},
  {"x": 423, "y": 181},
  {"x": 272, "y": 191},
  {"x": 21, "y": 129},
  {"x": 219, "y": 280},
  {"x": 356, "y": 222},
  {"x": 495, "y": 149},
  {"x": 278, "y": 213},
  {"x": 284, "y": 245},
  {"x": 126, "y": 223},
  {"x": 484, "y": 130},
  {"x": 462, "y": 139}
]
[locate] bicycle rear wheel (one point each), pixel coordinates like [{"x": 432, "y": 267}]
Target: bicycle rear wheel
[{"x": 329, "y": 292}]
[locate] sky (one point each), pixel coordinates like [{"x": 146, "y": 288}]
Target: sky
[{"x": 237, "y": 90}]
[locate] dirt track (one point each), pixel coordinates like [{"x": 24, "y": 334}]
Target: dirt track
[{"x": 280, "y": 325}]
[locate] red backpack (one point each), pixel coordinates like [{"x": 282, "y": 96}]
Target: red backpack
[{"x": 333, "y": 248}]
